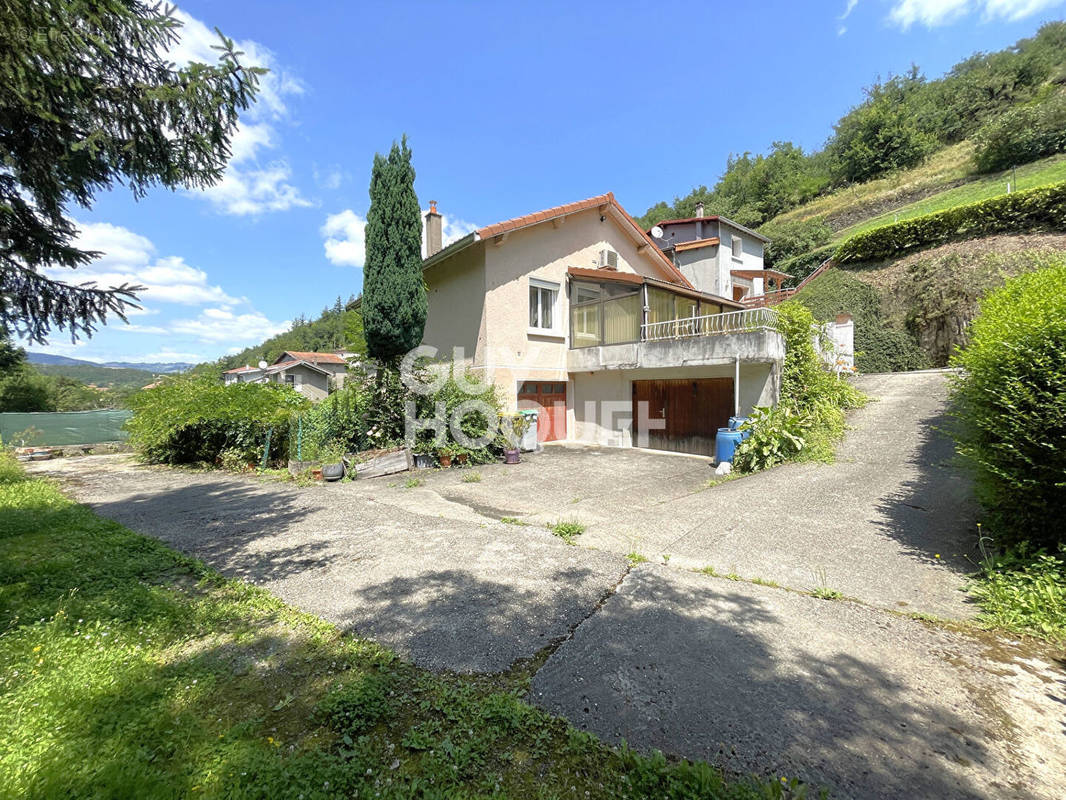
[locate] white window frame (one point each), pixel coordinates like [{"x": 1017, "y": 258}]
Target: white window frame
[
  {"x": 736, "y": 243},
  {"x": 555, "y": 288}
]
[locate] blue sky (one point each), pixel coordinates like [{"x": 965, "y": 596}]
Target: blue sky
[{"x": 509, "y": 108}]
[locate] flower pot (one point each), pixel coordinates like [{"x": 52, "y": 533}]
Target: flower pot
[
  {"x": 462, "y": 457},
  {"x": 316, "y": 474},
  {"x": 333, "y": 472},
  {"x": 512, "y": 456},
  {"x": 445, "y": 459},
  {"x": 423, "y": 461}
]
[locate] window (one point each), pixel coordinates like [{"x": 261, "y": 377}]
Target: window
[
  {"x": 738, "y": 247},
  {"x": 542, "y": 299}
]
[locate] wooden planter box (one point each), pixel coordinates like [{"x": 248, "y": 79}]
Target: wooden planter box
[{"x": 387, "y": 464}]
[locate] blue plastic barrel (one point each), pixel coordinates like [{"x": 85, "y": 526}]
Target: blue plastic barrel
[
  {"x": 725, "y": 443},
  {"x": 736, "y": 422}
]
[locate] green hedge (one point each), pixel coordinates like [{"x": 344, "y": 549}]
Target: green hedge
[
  {"x": 1043, "y": 208},
  {"x": 195, "y": 419},
  {"x": 1010, "y": 402}
]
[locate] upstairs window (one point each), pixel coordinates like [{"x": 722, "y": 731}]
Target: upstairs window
[{"x": 543, "y": 297}]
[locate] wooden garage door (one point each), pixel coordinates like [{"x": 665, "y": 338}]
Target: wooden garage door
[
  {"x": 549, "y": 397},
  {"x": 693, "y": 411}
]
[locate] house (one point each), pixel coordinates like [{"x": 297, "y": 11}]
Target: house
[
  {"x": 314, "y": 375},
  {"x": 718, "y": 255},
  {"x": 577, "y": 311}
]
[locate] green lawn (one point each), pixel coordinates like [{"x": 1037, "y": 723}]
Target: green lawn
[
  {"x": 1039, "y": 173},
  {"x": 128, "y": 670}
]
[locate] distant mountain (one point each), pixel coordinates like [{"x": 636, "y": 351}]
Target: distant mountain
[{"x": 151, "y": 367}]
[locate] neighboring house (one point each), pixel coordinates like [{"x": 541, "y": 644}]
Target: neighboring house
[
  {"x": 577, "y": 311},
  {"x": 314, "y": 375},
  {"x": 245, "y": 374},
  {"x": 718, "y": 255}
]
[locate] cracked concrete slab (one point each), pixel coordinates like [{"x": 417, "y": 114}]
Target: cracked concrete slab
[
  {"x": 436, "y": 582},
  {"x": 756, "y": 679}
]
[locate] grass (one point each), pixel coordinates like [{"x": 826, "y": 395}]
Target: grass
[
  {"x": 942, "y": 168},
  {"x": 132, "y": 671},
  {"x": 1039, "y": 173},
  {"x": 513, "y": 521},
  {"x": 635, "y": 558},
  {"x": 412, "y": 483},
  {"x": 825, "y": 593},
  {"x": 567, "y": 529},
  {"x": 472, "y": 477},
  {"x": 1024, "y": 593}
]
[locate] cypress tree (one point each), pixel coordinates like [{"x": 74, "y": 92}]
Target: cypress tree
[{"x": 394, "y": 293}]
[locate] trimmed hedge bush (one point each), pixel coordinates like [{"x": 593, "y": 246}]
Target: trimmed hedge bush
[
  {"x": 1042, "y": 208},
  {"x": 190, "y": 420},
  {"x": 1021, "y": 135},
  {"x": 1010, "y": 402}
]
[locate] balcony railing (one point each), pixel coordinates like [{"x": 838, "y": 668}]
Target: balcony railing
[{"x": 746, "y": 321}]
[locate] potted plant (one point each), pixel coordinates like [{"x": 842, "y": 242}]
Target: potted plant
[
  {"x": 462, "y": 456},
  {"x": 445, "y": 455},
  {"x": 332, "y": 456},
  {"x": 512, "y": 428}
]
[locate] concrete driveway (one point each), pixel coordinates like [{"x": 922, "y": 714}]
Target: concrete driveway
[
  {"x": 846, "y": 694},
  {"x": 890, "y": 523}
]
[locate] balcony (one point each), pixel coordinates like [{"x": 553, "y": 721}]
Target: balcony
[{"x": 748, "y": 336}]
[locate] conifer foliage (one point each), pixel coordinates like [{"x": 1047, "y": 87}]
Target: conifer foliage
[
  {"x": 89, "y": 98},
  {"x": 394, "y": 293}
]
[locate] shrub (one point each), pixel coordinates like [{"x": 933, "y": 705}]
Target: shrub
[
  {"x": 194, "y": 419},
  {"x": 1023, "y": 592},
  {"x": 809, "y": 419},
  {"x": 1021, "y": 135},
  {"x": 794, "y": 238},
  {"x": 475, "y": 421},
  {"x": 1042, "y": 208},
  {"x": 777, "y": 434},
  {"x": 1010, "y": 402}
]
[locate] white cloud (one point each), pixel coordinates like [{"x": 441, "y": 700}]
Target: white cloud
[
  {"x": 331, "y": 178},
  {"x": 254, "y": 190},
  {"x": 222, "y": 325},
  {"x": 847, "y": 11},
  {"x": 345, "y": 236},
  {"x": 345, "y": 239},
  {"x": 128, "y": 257},
  {"x": 933, "y": 13},
  {"x": 247, "y": 187},
  {"x": 452, "y": 229}
]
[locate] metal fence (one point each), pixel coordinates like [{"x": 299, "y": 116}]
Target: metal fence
[{"x": 55, "y": 428}]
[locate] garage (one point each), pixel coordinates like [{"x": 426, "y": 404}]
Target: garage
[
  {"x": 683, "y": 414},
  {"x": 549, "y": 399}
]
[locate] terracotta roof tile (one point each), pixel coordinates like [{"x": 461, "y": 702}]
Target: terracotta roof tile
[{"x": 316, "y": 358}]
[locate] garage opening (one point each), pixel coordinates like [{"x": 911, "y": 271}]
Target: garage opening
[
  {"x": 549, "y": 398},
  {"x": 683, "y": 415}
]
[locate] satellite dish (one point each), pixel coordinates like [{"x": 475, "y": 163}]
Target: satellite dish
[
  {"x": 262, "y": 365},
  {"x": 657, "y": 232}
]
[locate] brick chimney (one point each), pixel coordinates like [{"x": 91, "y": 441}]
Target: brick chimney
[{"x": 434, "y": 234}]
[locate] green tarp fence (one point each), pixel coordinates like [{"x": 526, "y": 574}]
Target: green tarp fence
[{"x": 41, "y": 428}]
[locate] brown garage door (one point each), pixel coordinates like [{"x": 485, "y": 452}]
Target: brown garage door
[{"x": 692, "y": 410}]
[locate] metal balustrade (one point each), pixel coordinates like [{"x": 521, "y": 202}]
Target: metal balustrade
[{"x": 746, "y": 321}]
